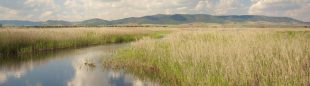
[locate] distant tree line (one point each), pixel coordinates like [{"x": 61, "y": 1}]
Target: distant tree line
[{"x": 0, "y": 25}]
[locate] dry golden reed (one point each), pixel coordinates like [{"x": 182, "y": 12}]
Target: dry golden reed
[
  {"x": 27, "y": 40},
  {"x": 221, "y": 57}
]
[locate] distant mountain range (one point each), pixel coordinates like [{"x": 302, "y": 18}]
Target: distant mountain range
[{"x": 165, "y": 19}]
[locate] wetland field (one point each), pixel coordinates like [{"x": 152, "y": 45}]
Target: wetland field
[
  {"x": 221, "y": 57},
  {"x": 152, "y": 56}
]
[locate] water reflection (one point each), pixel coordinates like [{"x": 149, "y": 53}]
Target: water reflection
[
  {"x": 2, "y": 78},
  {"x": 78, "y": 67}
]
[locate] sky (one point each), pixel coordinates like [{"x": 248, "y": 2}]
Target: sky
[{"x": 76, "y": 10}]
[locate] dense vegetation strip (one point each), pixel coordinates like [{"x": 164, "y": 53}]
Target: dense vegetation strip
[
  {"x": 15, "y": 41},
  {"x": 239, "y": 58}
]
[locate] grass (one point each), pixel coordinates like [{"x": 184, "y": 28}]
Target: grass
[
  {"x": 223, "y": 57},
  {"x": 15, "y": 41}
]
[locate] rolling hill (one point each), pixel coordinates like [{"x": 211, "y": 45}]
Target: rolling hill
[
  {"x": 166, "y": 19},
  {"x": 186, "y": 18}
]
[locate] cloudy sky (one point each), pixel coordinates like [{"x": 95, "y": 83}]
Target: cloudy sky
[{"x": 75, "y": 10}]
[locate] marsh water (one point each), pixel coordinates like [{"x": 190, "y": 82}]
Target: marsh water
[{"x": 72, "y": 67}]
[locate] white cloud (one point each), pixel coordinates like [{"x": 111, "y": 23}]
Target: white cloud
[
  {"x": 201, "y": 5},
  {"x": 115, "y": 9},
  {"x": 7, "y": 13},
  {"x": 225, "y": 5},
  {"x": 46, "y": 14},
  {"x": 292, "y": 8},
  {"x": 38, "y": 2},
  {"x": 222, "y": 7}
]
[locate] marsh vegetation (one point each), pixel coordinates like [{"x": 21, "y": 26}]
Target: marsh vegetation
[
  {"x": 14, "y": 41},
  {"x": 185, "y": 56},
  {"x": 221, "y": 57}
]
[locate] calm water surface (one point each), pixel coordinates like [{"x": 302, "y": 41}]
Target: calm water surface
[{"x": 65, "y": 68}]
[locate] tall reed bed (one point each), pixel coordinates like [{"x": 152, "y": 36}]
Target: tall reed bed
[
  {"x": 239, "y": 58},
  {"x": 17, "y": 41}
]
